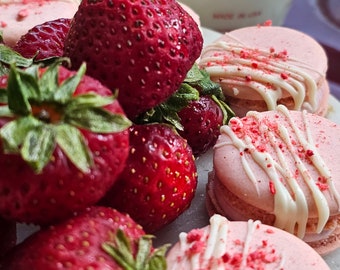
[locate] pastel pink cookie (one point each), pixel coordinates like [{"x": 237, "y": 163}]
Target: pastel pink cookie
[
  {"x": 262, "y": 66},
  {"x": 241, "y": 245},
  {"x": 18, "y": 16},
  {"x": 280, "y": 167}
]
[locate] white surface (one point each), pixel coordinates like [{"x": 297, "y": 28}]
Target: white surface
[{"x": 196, "y": 216}]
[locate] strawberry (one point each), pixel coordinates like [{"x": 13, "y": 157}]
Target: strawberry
[
  {"x": 44, "y": 40},
  {"x": 143, "y": 48},
  {"x": 201, "y": 121},
  {"x": 8, "y": 236},
  {"x": 63, "y": 142},
  {"x": 98, "y": 238},
  {"x": 197, "y": 110},
  {"x": 159, "y": 180}
]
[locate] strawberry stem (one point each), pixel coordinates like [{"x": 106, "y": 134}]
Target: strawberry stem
[
  {"x": 146, "y": 259},
  {"x": 46, "y": 113}
]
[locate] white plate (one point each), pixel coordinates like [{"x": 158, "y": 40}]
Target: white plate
[{"x": 196, "y": 216}]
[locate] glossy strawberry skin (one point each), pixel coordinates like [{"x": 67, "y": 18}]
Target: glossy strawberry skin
[
  {"x": 75, "y": 243},
  {"x": 143, "y": 48},
  {"x": 160, "y": 178},
  {"x": 201, "y": 121},
  {"x": 61, "y": 188},
  {"x": 44, "y": 40}
]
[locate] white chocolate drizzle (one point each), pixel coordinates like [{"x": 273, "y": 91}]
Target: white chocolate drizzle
[
  {"x": 217, "y": 244},
  {"x": 223, "y": 62},
  {"x": 290, "y": 203}
]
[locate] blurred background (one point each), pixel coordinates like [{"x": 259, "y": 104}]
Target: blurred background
[{"x": 321, "y": 20}]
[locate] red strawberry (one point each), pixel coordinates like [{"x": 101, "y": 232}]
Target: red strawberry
[
  {"x": 201, "y": 121},
  {"x": 160, "y": 178},
  {"x": 144, "y": 48},
  {"x": 99, "y": 238},
  {"x": 63, "y": 141},
  {"x": 8, "y": 236},
  {"x": 44, "y": 40},
  {"x": 196, "y": 109}
]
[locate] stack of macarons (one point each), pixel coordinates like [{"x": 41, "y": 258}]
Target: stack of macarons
[
  {"x": 241, "y": 245},
  {"x": 280, "y": 167},
  {"x": 261, "y": 67}
]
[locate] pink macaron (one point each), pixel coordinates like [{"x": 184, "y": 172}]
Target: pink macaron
[
  {"x": 18, "y": 16},
  {"x": 241, "y": 245},
  {"x": 280, "y": 167},
  {"x": 260, "y": 67}
]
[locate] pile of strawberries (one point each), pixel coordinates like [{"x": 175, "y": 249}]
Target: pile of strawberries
[{"x": 100, "y": 119}]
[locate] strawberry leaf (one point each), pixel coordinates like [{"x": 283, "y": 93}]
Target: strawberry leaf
[
  {"x": 197, "y": 83},
  {"x": 48, "y": 83},
  {"x": 157, "y": 260},
  {"x": 200, "y": 79},
  {"x": 5, "y": 112},
  {"x": 45, "y": 114},
  {"x": 13, "y": 133},
  {"x": 120, "y": 251},
  {"x": 88, "y": 100},
  {"x": 66, "y": 89},
  {"x": 9, "y": 56},
  {"x": 228, "y": 113},
  {"x": 194, "y": 75},
  {"x": 167, "y": 111},
  {"x": 38, "y": 146},
  {"x": 3, "y": 96},
  {"x": 17, "y": 99},
  {"x": 146, "y": 258},
  {"x": 71, "y": 141},
  {"x": 28, "y": 80},
  {"x": 97, "y": 120}
]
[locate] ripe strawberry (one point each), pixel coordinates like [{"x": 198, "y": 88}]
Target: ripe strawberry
[
  {"x": 143, "y": 48},
  {"x": 201, "y": 121},
  {"x": 44, "y": 40},
  {"x": 159, "y": 180},
  {"x": 63, "y": 141},
  {"x": 99, "y": 238},
  {"x": 196, "y": 109},
  {"x": 8, "y": 236}
]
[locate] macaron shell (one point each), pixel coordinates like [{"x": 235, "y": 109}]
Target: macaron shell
[
  {"x": 236, "y": 245},
  {"x": 300, "y": 47},
  {"x": 268, "y": 63},
  {"x": 230, "y": 169}
]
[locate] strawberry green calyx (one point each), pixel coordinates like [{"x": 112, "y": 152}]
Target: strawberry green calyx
[
  {"x": 9, "y": 56},
  {"x": 145, "y": 259},
  {"x": 45, "y": 113},
  {"x": 197, "y": 83}
]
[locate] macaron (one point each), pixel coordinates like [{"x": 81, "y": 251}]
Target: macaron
[
  {"x": 225, "y": 244},
  {"x": 280, "y": 167},
  {"x": 260, "y": 67},
  {"x": 18, "y": 16}
]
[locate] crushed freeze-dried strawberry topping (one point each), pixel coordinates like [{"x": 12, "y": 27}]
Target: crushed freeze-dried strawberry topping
[
  {"x": 272, "y": 188},
  {"x": 322, "y": 186}
]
